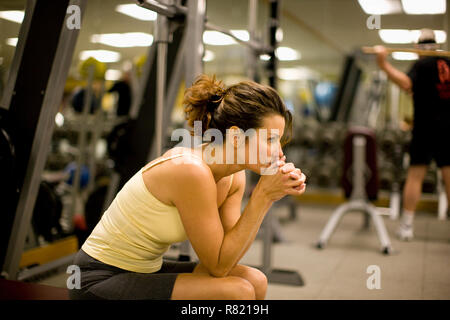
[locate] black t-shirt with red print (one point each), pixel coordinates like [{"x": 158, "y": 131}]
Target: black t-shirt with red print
[{"x": 430, "y": 78}]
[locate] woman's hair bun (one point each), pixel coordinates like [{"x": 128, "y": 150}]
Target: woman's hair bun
[{"x": 202, "y": 99}]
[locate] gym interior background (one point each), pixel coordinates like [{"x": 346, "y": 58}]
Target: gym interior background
[{"x": 103, "y": 74}]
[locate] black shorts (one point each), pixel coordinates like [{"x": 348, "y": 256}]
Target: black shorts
[
  {"x": 103, "y": 281},
  {"x": 424, "y": 148}
]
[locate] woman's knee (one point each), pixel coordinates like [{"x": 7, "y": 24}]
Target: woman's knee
[
  {"x": 257, "y": 278},
  {"x": 259, "y": 281},
  {"x": 237, "y": 288}
]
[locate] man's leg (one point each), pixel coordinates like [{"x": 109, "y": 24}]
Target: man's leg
[{"x": 411, "y": 196}]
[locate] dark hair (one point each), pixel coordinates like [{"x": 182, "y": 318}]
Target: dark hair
[
  {"x": 244, "y": 105},
  {"x": 427, "y": 41}
]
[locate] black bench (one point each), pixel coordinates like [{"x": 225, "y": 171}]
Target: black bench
[{"x": 17, "y": 290}]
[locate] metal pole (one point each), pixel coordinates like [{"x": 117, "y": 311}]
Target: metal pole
[
  {"x": 138, "y": 99},
  {"x": 14, "y": 68},
  {"x": 446, "y": 19},
  {"x": 161, "y": 86},
  {"x": 177, "y": 75},
  {"x": 252, "y": 25},
  {"x": 194, "y": 45},
  {"x": 359, "y": 160},
  {"x": 96, "y": 133},
  {"x": 161, "y": 41},
  {"x": 394, "y": 102},
  {"x": 255, "y": 45},
  {"x": 82, "y": 131},
  {"x": 267, "y": 244},
  {"x": 157, "y": 7},
  {"x": 274, "y": 22},
  {"x": 395, "y": 197}
]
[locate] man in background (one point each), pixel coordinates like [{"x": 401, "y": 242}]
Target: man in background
[
  {"x": 123, "y": 89},
  {"x": 428, "y": 81}
]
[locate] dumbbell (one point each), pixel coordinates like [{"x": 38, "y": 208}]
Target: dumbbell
[
  {"x": 326, "y": 171},
  {"x": 331, "y": 135},
  {"x": 388, "y": 139},
  {"x": 386, "y": 175},
  {"x": 307, "y": 133},
  {"x": 84, "y": 174},
  {"x": 405, "y": 140}
]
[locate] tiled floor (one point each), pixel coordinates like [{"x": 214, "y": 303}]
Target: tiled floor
[{"x": 416, "y": 270}]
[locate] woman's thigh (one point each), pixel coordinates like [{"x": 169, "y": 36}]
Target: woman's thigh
[
  {"x": 202, "y": 286},
  {"x": 101, "y": 281},
  {"x": 135, "y": 286}
]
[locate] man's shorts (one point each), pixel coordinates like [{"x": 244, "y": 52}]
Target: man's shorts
[{"x": 426, "y": 147}]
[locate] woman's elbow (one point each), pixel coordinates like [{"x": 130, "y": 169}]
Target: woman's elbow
[{"x": 218, "y": 271}]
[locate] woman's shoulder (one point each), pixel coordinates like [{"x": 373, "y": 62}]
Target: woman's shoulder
[
  {"x": 186, "y": 161},
  {"x": 184, "y": 155},
  {"x": 176, "y": 171}
]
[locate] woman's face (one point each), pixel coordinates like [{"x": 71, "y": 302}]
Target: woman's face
[{"x": 264, "y": 148}]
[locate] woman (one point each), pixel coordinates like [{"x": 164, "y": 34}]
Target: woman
[{"x": 195, "y": 194}]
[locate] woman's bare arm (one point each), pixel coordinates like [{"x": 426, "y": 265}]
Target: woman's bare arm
[
  {"x": 219, "y": 249},
  {"x": 196, "y": 202},
  {"x": 398, "y": 77}
]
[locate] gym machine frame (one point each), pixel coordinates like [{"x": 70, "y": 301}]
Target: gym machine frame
[
  {"x": 47, "y": 106},
  {"x": 358, "y": 201}
]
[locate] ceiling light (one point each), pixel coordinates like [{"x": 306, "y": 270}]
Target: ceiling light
[
  {"x": 408, "y": 36},
  {"x": 241, "y": 34},
  {"x": 12, "y": 15},
  {"x": 299, "y": 73},
  {"x": 264, "y": 57},
  {"x": 424, "y": 7},
  {"x": 396, "y": 36},
  {"x": 441, "y": 36},
  {"x": 123, "y": 40},
  {"x": 101, "y": 55},
  {"x": 113, "y": 74},
  {"x": 209, "y": 56},
  {"x": 59, "y": 119},
  {"x": 217, "y": 38},
  {"x": 12, "y": 42},
  {"x": 405, "y": 56},
  {"x": 136, "y": 12},
  {"x": 380, "y": 6},
  {"x": 279, "y": 35},
  {"x": 287, "y": 54}
]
